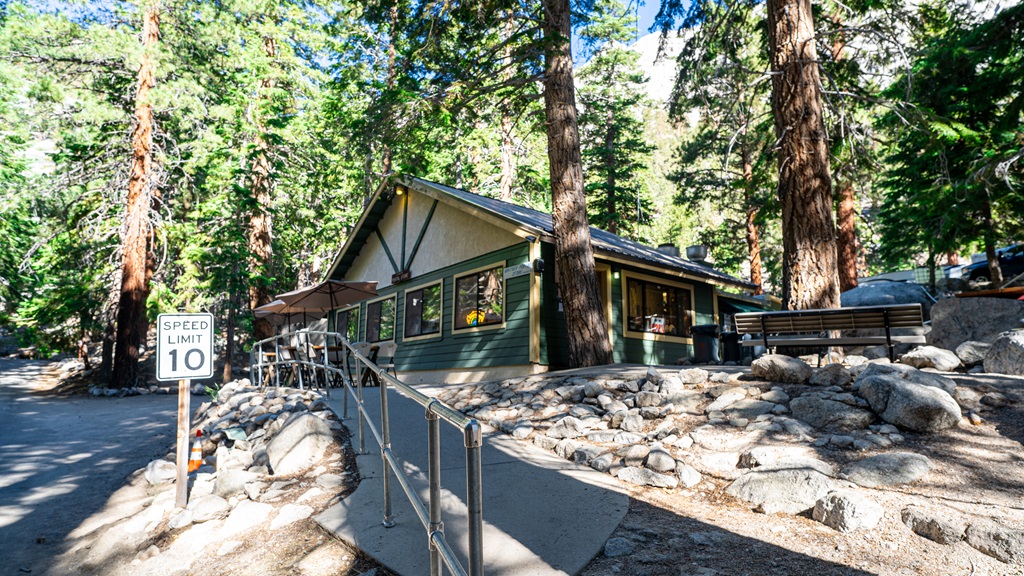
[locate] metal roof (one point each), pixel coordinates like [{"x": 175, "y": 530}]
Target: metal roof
[
  {"x": 602, "y": 241},
  {"x": 532, "y": 222}
]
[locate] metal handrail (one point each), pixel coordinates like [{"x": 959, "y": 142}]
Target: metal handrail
[{"x": 429, "y": 514}]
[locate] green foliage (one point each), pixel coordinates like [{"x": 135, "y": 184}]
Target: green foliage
[
  {"x": 614, "y": 149},
  {"x": 953, "y": 166}
]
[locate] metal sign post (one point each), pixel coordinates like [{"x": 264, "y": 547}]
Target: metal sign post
[
  {"x": 184, "y": 351},
  {"x": 181, "y": 459}
]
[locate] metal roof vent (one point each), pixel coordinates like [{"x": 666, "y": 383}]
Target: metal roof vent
[
  {"x": 669, "y": 249},
  {"x": 697, "y": 253}
]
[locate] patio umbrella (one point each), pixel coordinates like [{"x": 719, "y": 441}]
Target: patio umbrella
[
  {"x": 329, "y": 294},
  {"x": 278, "y": 312}
]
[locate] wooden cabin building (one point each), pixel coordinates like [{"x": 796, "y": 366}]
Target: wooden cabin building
[{"x": 467, "y": 287}]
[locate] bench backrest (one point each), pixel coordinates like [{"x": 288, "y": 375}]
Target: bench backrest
[{"x": 797, "y": 321}]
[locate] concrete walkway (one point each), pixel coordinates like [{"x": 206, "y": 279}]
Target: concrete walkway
[{"x": 542, "y": 514}]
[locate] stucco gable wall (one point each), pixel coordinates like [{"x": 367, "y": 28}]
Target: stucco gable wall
[{"x": 452, "y": 236}]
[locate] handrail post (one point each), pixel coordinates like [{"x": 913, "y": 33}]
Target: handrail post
[
  {"x": 359, "y": 396},
  {"x": 474, "y": 497},
  {"x": 277, "y": 361},
  {"x": 389, "y": 519},
  {"x": 434, "y": 482},
  {"x": 346, "y": 379}
]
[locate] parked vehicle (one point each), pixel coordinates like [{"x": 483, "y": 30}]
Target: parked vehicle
[{"x": 1011, "y": 263}]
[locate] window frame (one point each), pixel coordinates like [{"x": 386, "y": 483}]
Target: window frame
[
  {"x": 394, "y": 319},
  {"x": 440, "y": 319},
  {"x": 504, "y": 299},
  {"x": 348, "y": 309},
  {"x": 654, "y": 336}
]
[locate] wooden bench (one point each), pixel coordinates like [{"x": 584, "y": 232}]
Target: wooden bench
[{"x": 813, "y": 327}]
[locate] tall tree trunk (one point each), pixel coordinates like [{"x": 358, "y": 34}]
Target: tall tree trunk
[
  {"x": 260, "y": 225},
  {"x": 994, "y": 270},
  {"x": 809, "y": 275},
  {"x": 753, "y": 237},
  {"x": 229, "y": 342},
  {"x": 847, "y": 240},
  {"x": 508, "y": 169},
  {"x": 577, "y": 279},
  {"x": 610, "y": 204},
  {"x": 389, "y": 116},
  {"x": 507, "y": 156},
  {"x": 131, "y": 308},
  {"x": 846, "y": 216}
]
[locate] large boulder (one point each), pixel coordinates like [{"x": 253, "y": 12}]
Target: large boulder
[
  {"x": 886, "y": 293},
  {"x": 909, "y": 405},
  {"x": 890, "y": 469},
  {"x": 830, "y": 414},
  {"x": 1006, "y": 356},
  {"x": 789, "y": 486},
  {"x": 779, "y": 368},
  {"x": 972, "y": 353},
  {"x": 931, "y": 357},
  {"x": 935, "y": 526},
  {"x": 957, "y": 320},
  {"x": 909, "y": 373},
  {"x": 299, "y": 445},
  {"x": 847, "y": 511},
  {"x": 1003, "y": 544}
]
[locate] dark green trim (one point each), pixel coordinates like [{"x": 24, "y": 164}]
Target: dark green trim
[
  {"x": 405, "y": 226},
  {"x": 387, "y": 250},
  {"x": 423, "y": 232}
]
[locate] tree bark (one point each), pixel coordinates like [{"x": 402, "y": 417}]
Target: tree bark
[
  {"x": 508, "y": 169},
  {"x": 229, "y": 342},
  {"x": 577, "y": 279},
  {"x": 810, "y": 278},
  {"x": 131, "y": 308},
  {"x": 507, "y": 158},
  {"x": 610, "y": 200},
  {"x": 390, "y": 83},
  {"x": 753, "y": 236},
  {"x": 847, "y": 240},
  {"x": 260, "y": 224},
  {"x": 994, "y": 270}
]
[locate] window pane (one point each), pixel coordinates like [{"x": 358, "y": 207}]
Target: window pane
[
  {"x": 658, "y": 308},
  {"x": 373, "y": 322},
  {"x": 491, "y": 297},
  {"x": 387, "y": 319},
  {"x": 480, "y": 299},
  {"x": 431, "y": 323},
  {"x": 635, "y": 302},
  {"x": 353, "y": 325},
  {"x": 414, "y": 313},
  {"x": 342, "y": 322},
  {"x": 465, "y": 301}
]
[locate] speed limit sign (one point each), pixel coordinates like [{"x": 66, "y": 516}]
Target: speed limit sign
[{"x": 184, "y": 346}]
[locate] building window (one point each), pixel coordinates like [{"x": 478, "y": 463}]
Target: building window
[
  {"x": 380, "y": 320},
  {"x": 423, "y": 311},
  {"x": 348, "y": 323},
  {"x": 480, "y": 299},
  {"x": 658, "y": 308}
]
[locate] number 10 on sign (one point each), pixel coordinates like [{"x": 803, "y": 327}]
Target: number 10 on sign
[{"x": 184, "y": 348}]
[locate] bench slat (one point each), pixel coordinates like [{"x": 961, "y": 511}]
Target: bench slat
[{"x": 854, "y": 341}]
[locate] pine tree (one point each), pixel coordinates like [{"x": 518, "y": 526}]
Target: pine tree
[{"x": 614, "y": 148}]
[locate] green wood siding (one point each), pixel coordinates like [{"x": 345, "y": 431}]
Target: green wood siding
[
  {"x": 554, "y": 340},
  {"x": 509, "y": 345}
]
